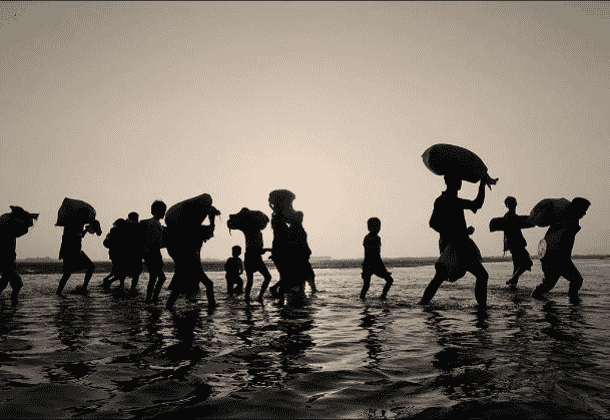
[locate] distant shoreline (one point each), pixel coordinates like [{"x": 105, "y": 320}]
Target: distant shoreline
[{"x": 56, "y": 267}]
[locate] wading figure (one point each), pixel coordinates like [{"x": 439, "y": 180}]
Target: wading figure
[
  {"x": 459, "y": 253},
  {"x": 372, "y": 263},
  {"x": 127, "y": 241},
  {"x": 152, "y": 232},
  {"x": 515, "y": 242},
  {"x": 557, "y": 261},
  {"x": 13, "y": 225},
  {"x": 114, "y": 241},
  {"x": 185, "y": 237},
  {"x": 71, "y": 251},
  {"x": 252, "y": 223},
  {"x": 233, "y": 270},
  {"x": 300, "y": 249}
]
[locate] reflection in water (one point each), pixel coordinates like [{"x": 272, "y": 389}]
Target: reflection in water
[
  {"x": 295, "y": 323},
  {"x": 374, "y": 325},
  {"x": 463, "y": 359}
]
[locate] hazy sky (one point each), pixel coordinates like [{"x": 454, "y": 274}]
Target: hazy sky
[{"x": 119, "y": 104}]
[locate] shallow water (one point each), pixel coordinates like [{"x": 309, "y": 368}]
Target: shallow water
[{"x": 110, "y": 355}]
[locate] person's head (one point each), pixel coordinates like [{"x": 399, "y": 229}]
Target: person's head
[
  {"x": 281, "y": 200},
  {"x": 236, "y": 250},
  {"x": 133, "y": 216},
  {"x": 578, "y": 207},
  {"x": 374, "y": 225},
  {"x": 510, "y": 203},
  {"x": 158, "y": 209},
  {"x": 119, "y": 223},
  {"x": 453, "y": 182}
]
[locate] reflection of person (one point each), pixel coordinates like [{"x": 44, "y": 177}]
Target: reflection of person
[
  {"x": 557, "y": 261},
  {"x": 72, "y": 254},
  {"x": 459, "y": 253},
  {"x": 233, "y": 270},
  {"x": 372, "y": 263},
  {"x": 16, "y": 225},
  {"x": 152, "y": 232},
  {"x": 515, "y": 242}
]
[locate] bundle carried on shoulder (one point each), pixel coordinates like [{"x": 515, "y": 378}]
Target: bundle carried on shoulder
[
  {"x": 501, "y": 223},
  {"x": 248, "y": 220},
  {"x": 448, "y": 159},
  {"x": 75, "y": 212},
  {"x": 189, "y": 213},
  {"x": 549, "y": 211},
  {"x": 18, "y": 215}
]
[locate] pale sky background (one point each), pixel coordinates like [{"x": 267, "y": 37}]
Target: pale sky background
[{"x": 119, "y": 104}]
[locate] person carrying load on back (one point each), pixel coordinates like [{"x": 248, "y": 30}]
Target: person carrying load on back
[
  {"x": 459, "y": 253},
  {"x": 114, "y": 242},
  {"x": 557, "y": 259},
  {"x": 515, "y": 242},
  {"x": 72, "y": 254},
  {"x": 185, "y": 237},
  {"x": 13, "y": 225}
]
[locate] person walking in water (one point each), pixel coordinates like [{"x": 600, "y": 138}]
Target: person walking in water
[
  {"x": 233, "y": 271},
  {"x": 12, "y": 226},
  {"x": 459, "y": 253},
  {"x": 114, "y": 242},
  {"x": 515, "y": 242},
  {"x": 72, "y": 254},
  {"x": 152, "y": 232},
  {"x": 372, "y": 263},
  {"x": 557, "y": 260},
  {"x": 300, "y": 249},
  {"x": 252, "y": 223},
  {"x": 186, "y": 235}
]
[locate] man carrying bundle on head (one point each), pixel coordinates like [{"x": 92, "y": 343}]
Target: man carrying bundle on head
[
  {"x": 12, "y": 226},
  {"x": 251, "y": 223}
]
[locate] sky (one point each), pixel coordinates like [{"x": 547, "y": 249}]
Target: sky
[{"x": 120, "y": 104}]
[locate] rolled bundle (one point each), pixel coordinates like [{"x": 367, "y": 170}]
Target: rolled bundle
[
  {"x": 189, "y": 213},
  {"x": 74, "y": 211},
  {"x": 501, "y": 223},
  {"x": 447, "y": 159},
  {"x": 548, "y": 211},
  {"x": 248, "y": 219}
]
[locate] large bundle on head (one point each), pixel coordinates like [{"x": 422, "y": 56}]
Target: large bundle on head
[
  {"x": 447, "y": 159},
  {"x": 247, "y": 220},
  {"x": 75, "y": 212},
  {"x": 549, "y": 211},
  {"x": 18, "y": 215},
  {"x": 189, "y": 213}
]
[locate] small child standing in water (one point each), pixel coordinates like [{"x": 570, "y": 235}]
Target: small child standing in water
[
  {"x": 372, "y": 263},
  {"x": 234, "y": 269}
]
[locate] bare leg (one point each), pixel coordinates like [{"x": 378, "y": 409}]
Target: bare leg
[
  {"x": 388, "y": 283},
  {"x": 158, "y": 286},
  {"x": 172, "y": 299},
  {"x": 267, "y": 279},
  {"x": 366, "y": 278},
  {"x": 515, "y": 278},
  {"x": 480, "y": 288},
  {"x": 150, "y": 288},
  {"x": 432, "y": 288},
  {"x": 62, "y": 282},
  {"x": 249, "y": 282}
]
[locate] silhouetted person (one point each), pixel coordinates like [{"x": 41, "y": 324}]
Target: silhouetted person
[
  {"x": 515, "y": 242},
  {"x": 129, "y": 252},
  {"x": 300, "y": 250},
  {"x": 372, "y": 263},
  {"x": 114, "y": 243},
  {"x": 152, "y": 232},
  {"x": 251, "y": 223},
  {"x": 233, "y": 271},
  {"x": 72, "y": 254},
  {"x": 184, "y": 246},
  {"x": 557, "y": 261},
  {"x": 459, "y": 253},
  {"x": 280, "y": 202},
  {"x": 14, "y": 225}
]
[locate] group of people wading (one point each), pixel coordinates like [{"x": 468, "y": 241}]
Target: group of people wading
[{"x": 130, "y": 242}]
